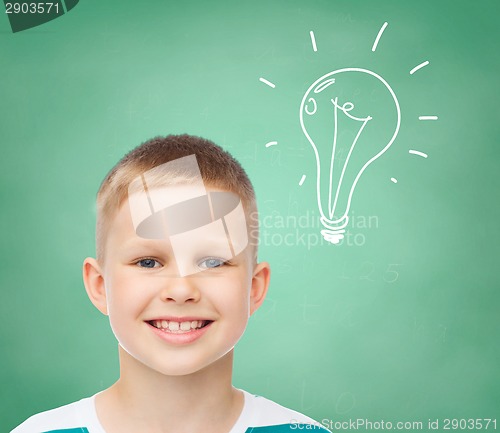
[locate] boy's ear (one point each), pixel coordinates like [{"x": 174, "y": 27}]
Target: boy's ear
[
  {"x": 260, "y": 283},
  {"x": 94, "y": 284}
]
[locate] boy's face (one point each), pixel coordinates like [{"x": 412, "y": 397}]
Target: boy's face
[{"x": 177, "y": 306}]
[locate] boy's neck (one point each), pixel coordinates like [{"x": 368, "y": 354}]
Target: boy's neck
[{"x": 145, "y": 400}]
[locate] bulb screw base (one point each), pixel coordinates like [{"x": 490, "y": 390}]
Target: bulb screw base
[
  {"x": 334, "y": 230},
  {"x": 333, "y": 236}
]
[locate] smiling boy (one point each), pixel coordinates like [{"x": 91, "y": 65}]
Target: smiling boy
[{"x": 177, "y": 274}]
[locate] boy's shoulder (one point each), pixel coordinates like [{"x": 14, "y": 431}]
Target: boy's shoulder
[
  {"x": 261, "y": 415},
  {"x": 77, "y": 417}
]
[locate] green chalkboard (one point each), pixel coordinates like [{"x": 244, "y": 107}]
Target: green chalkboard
[{"x": 399, "y": 322}]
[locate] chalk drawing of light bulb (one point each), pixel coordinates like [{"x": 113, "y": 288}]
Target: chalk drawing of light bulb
[{"x": 350, "y": 117}]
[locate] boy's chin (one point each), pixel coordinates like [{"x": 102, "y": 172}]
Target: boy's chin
[
  {"x": 180, "y": 366},
  {"x": 175, "y": 364},
  {"x": 184, "y": 369}
]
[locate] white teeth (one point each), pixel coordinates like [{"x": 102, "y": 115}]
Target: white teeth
[
  {"x": 173, "y": 326},
  {"x": 185, "y": 326}
]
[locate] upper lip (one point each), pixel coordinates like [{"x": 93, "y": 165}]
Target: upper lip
[{"x": 179, "y": 319}]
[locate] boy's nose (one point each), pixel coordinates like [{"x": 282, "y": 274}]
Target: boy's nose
[{"x": 180, "y": 290}]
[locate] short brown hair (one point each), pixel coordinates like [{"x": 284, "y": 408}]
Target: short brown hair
[{"x": 217, "y": 167}]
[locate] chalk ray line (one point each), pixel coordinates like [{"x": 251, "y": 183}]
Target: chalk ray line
[
  {"x": 378, "y": 36},
  {"x": 416, "y": 152},
  {"x": 427, "y": 118},
  {"x": 416, "y": 68},
  {"x": 263, "y": 80},
  {"x": 302, "y": 179},
  {"x": 313, "y": 41}
]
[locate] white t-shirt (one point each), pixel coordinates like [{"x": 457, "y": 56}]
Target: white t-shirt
[{"x": 259, "y": 415}]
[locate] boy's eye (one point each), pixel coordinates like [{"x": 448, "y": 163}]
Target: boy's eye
[
  {"x": 148, "y": 263},
  {"x": 211, "y": 262}
]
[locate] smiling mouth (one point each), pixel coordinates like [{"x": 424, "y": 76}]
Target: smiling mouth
[{"x": 179, "y": 327}]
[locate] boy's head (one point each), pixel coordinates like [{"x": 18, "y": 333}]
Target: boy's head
[
  {"x": 218, "y": 169},
  {"x": 176, "y": 267}
]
